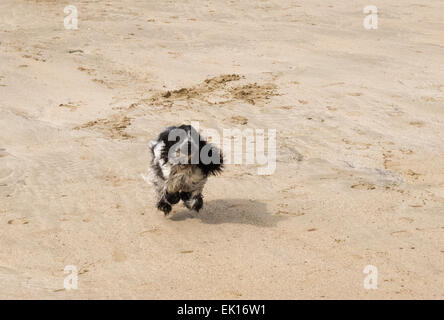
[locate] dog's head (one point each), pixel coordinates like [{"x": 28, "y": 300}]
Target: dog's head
[{"x": 185, "y": 146}]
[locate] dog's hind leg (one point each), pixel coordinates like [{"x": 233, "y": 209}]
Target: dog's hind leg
[
  {"x": 193, "y": 200},
  {"x": 192, "y": 197},
  {"x": 168, "y": 196},
  {"x": 164, "y": 206}
]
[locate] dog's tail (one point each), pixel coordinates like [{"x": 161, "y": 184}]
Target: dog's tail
[
  {"x": 146, "y": 178},
  {"x": 152, "y": 144}
]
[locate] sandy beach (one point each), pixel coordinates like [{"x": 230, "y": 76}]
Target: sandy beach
[{"x": 359, "y": 120}]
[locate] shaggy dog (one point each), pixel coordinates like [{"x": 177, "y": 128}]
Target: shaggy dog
[{"x": 181, "y": 163}]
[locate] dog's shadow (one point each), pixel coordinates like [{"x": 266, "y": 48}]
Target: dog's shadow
[{"x": 241, "y": 211}]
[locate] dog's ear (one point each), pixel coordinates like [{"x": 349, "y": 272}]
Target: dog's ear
[
  {"x": 168, "y": 141},
  {"x": 216, "y": 164}
]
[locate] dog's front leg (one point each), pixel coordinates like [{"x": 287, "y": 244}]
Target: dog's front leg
[
  {"x": 173, "y": 197},
  {"x": 167, "y": 200},
  {"x": 168, "y": 196},
  {"x": 160, "y": 184}
]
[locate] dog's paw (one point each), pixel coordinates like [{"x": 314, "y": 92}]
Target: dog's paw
[
  {"x": 185, "y": 196},
  {"x": 163, "y": 206},
  {"x": 172, "y": 198},
  {"x": 197, "y": 203}
]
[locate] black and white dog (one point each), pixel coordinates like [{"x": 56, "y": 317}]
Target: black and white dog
[{"x": 181, "y": 162}]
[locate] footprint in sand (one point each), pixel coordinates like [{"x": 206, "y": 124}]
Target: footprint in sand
[
  {"x": 363, "y": 186},
  {"x": 239, "y": 120},
  {"x": 18, "y": 221},
  {"x": 407, "y": 219},
  {"x": 333, "y": 84},
  {"x": 236, "y": 293},
  {"x": 113, "y": 127},
  {"x": 400, "y": 233},
  {"x": 3, "y": 153},
  {"x": 71, "y": 106},
  {"x": 428, "y": 99},
  {"x": 118, "y": 255},
  {"x": 87, "y": 70},
  {"x": 413, "y": 174},
  {"x": 418, "y": 124},
  {"x": 287, "y": 213},
  {"x": 174, "y": 54}
]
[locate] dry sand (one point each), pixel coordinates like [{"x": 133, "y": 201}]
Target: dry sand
[{"x": 360, "y": 165}]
